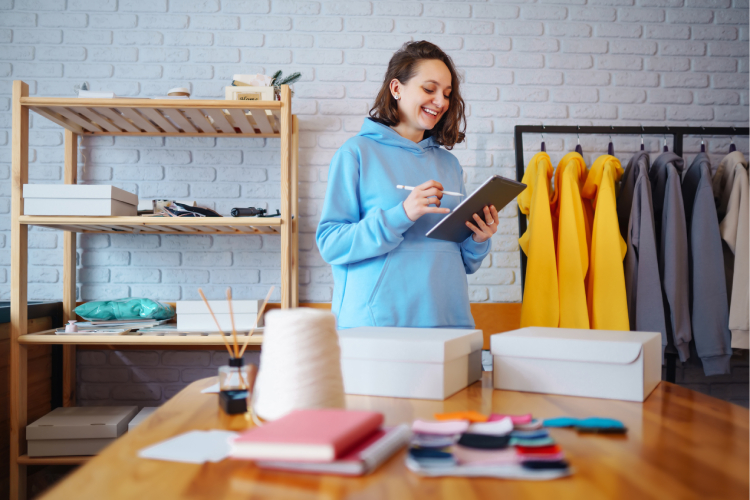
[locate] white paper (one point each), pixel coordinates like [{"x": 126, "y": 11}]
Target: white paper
[
  {"x": 194, "y": 447},
  {"x": 212, "y": 389}
]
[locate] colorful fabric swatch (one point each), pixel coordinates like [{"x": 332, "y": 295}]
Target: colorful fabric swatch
[
  {"x": 532, "y": 443},
  {"x": 592, "y": 424}
]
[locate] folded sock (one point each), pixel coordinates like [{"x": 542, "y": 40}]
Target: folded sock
[
  {"x": 471, "y": 416},
  {"x": 434, "y": 440},
  {"x": 428, "y": 453},
  {"x": 483, "y": 441}
]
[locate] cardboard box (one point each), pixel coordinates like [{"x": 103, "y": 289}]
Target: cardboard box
[
  {"x": 419, "y": 363},
  {"x": 77, "y": 430},
  {"x": 590, "y": 363},
  {"x": 193, "y": 315},
  {"x": 78, "y": 199}
]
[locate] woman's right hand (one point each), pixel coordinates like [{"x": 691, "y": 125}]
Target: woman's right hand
[{"x": 419, "y": 200}]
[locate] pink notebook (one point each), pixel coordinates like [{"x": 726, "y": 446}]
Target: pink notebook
[{"x": 307, "y": 435}]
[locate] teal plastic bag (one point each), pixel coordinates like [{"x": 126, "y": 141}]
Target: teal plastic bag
[{"x": 124, "y": 309}]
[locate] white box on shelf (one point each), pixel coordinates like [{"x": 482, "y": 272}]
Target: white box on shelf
[
  {"x": 590, "y": 363},
  {"x": 145, "y": 412},
  {"x": 419, "y": 363},
  {"x": 78, "y": 199},
  {"x": 193, "y": 315},
  {"x": 205, "y": 323},
  {"x": 77, "y": 430}
]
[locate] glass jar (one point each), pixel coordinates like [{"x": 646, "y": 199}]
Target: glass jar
[{"x": 236, "y": 376}]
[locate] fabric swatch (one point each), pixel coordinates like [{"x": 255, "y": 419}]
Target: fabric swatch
[
  {"x": 465, "y": 455},
  {"x": 545, "y": 465},
  {"x": 483, "y": 441},
  {"x": 471, "y": 416},
  {"x": 496, "y": 428},
  {"x": 446, "y": 427},
  {"x": 516, "y": 419}
]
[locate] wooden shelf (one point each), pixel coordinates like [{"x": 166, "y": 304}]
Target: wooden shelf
[
  {"x": 68, "y": 460},
  {"x": 157, "y": 225},
  {"x": 165, "y": 117},
  {"x": 49, "y": 337}
]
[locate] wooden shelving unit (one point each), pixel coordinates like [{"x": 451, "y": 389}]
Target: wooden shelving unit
[{"x": 131, "y": 117}]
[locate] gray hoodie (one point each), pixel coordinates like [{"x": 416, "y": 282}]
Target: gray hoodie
[
  {"x": 635, "y": 214},
  {"x": 672, "y": 248},
  {"x": 731, "y": 192},
  {"x": 708, "y": 290}
]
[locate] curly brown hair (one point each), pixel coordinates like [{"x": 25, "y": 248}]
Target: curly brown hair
[{"x": 451, "y": 129}]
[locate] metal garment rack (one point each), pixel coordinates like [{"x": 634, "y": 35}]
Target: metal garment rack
[{"x": 677, "y": 133}]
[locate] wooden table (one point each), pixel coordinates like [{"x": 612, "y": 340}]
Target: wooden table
[{"x": 680, "y": 444}]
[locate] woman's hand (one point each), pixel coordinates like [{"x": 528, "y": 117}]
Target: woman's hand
[
  {"x": 487, "y": 227},
  {"x": 419, "y": 200}
]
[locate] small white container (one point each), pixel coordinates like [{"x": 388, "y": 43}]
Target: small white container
[
  {"x": 419, "y": 363},
  {"x": 78, "y": 199},
  {"x": 591, "y": 363},
  {"x": 77, "y": 430}
]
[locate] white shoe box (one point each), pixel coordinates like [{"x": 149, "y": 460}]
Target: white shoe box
[
  {"x": 78, "y": 200},
  {"x": 418, "y": 363},
  {"x": 194, "y": 316},
  {"x": 590, "y": 363},
  {"x": 145, "y": 412},
  {"x": 77, "y": 430}
]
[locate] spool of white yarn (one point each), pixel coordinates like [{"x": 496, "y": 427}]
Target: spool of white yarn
[{"x": 300, "y": 363}]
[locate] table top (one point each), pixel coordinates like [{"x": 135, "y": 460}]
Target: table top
[{"x": 680, "y": 444}]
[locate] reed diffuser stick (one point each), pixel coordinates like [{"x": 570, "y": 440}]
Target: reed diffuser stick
[
  {"x": 231, "y": 318},
  {"x": 221, "y": 332},
  {"x": 260, "y": 313}
]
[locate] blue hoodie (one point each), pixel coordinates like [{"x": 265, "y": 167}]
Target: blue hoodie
[{"x": 386, "y": 271}]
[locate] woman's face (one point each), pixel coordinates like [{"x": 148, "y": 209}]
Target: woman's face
[{"x": 425, "y": 98}]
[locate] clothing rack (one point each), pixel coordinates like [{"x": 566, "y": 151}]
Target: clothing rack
[{"x": 677, "y": 134}]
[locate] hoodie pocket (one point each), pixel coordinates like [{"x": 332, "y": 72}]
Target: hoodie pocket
[{"x": 421, "y": 289}]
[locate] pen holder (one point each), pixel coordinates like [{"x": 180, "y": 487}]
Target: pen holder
[{"x": 236, "y": 382}]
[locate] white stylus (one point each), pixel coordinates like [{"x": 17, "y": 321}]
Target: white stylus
[{"x": 411, "y": 188}]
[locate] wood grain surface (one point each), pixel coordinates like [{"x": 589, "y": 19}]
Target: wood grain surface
[{"x": 680, "y": 444}]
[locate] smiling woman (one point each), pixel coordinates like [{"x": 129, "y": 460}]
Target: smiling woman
[{"x": 386, "y": 271}]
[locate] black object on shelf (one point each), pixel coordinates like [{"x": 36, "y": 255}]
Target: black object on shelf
[
  {"x": 248, "y": 212},
  {"x": 677, "y": 133}
]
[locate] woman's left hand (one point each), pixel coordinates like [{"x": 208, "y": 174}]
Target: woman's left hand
[{"x": 484, "y": 229}]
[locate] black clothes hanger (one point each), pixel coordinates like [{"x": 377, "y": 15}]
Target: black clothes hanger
[
  {"x": 544, "y": 147},
  {"x": 579, "y": 149},
  {"x": 666, "y": 148},
  {"x": 703, "y": 145},
  {"x": 732, "y": 147},
  {"x": 611, "y": 147},
  {"x": 642, "y": 147}
]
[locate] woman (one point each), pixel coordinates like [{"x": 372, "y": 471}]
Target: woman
[{"x": 386, "y": 272}]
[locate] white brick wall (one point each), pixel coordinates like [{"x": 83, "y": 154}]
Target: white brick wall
[{"x": 619, "y": 62}]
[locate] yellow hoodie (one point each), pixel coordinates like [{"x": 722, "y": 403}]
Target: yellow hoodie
[
  {"x": 541, "y": 303},
  {"x": 574, "y": 217},
  {"x": 607, "y": 301}
]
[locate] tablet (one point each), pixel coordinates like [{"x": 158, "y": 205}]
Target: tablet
[{"x": 496, "y": 190}]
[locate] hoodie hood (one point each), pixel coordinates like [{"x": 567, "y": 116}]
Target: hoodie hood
[
  {"x": 383, "y": 134},
  {"x": 723, "y": 180},
  {"x": 637, "y": 166}
]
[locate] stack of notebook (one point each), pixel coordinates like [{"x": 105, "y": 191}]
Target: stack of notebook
[
  {"x": 322, "y": 441},
  {"x": 502, "y": 446}
]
